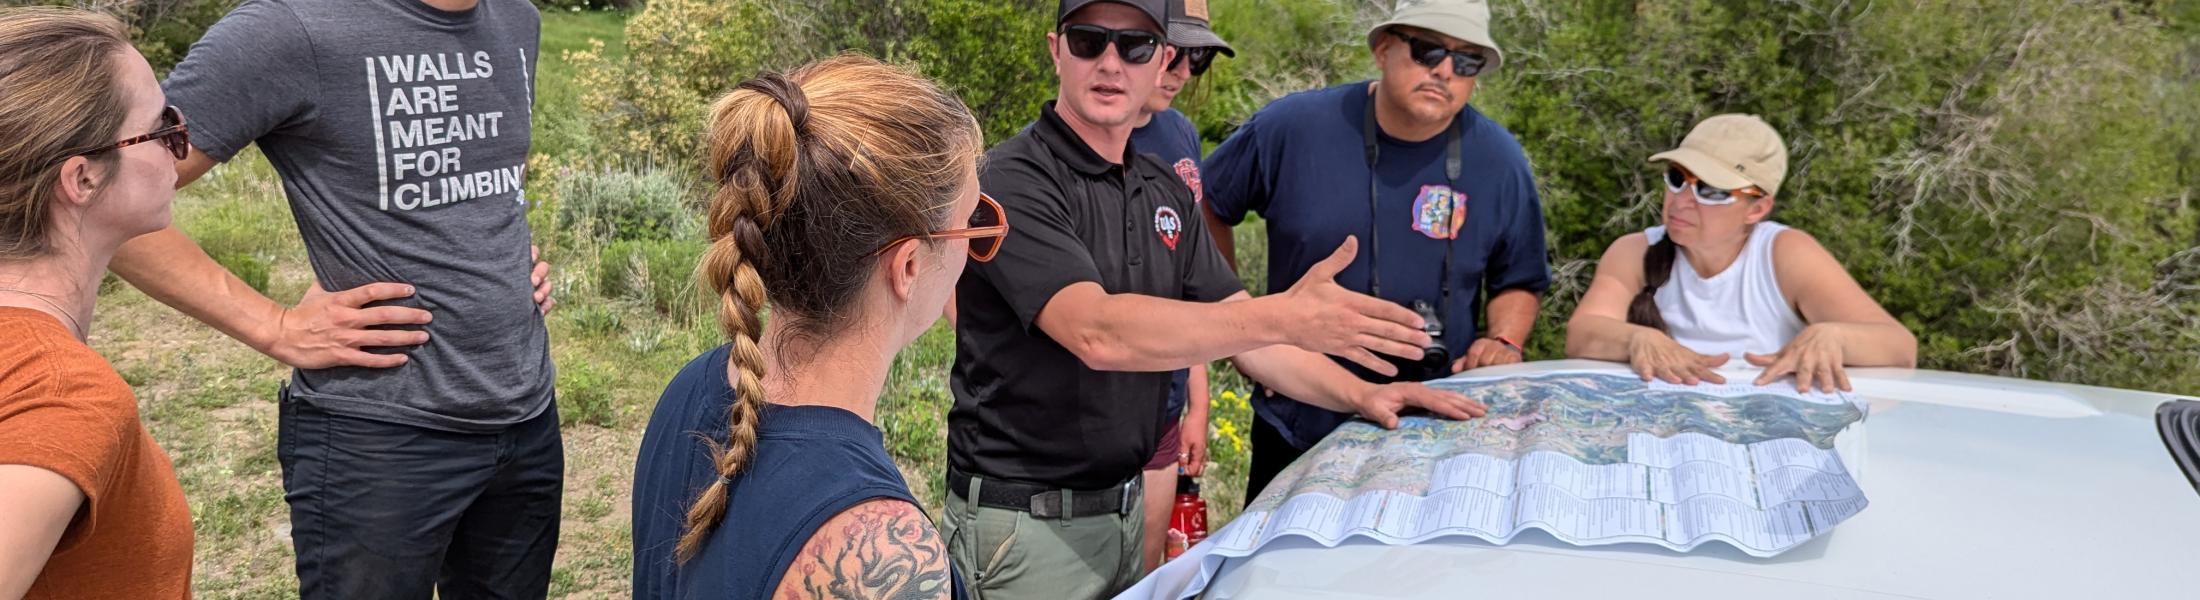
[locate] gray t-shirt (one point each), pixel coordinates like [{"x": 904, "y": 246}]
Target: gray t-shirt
[{"x": 401, "y": 135}]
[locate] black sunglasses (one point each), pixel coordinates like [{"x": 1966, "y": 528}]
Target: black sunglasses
[
  {"x": 1464, "y": 63},
  {"x": 1201, "y": 58},
  {"x": 173, "y": 134},
  {"x": 1136, "y": 46}
]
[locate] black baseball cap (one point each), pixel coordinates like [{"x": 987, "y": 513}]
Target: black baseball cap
[{"x": 1158, "y": 10}]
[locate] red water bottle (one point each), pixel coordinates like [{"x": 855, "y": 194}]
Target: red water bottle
[{"x": 1188, "y": 522}]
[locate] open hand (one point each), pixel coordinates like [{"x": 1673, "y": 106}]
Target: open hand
[
  {"x": 1340, "y": 322},
  {"x": 1813, "y": 357},
  {"x": 333, "y": 329},
  {"x": 1382, "y": 403},
  {"x": 1655, "y": 355}
]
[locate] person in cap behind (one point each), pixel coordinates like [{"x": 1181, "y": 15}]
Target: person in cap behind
[
  {"x": 1440, "y": 197},
  {"x": 1720, "y": 280},
  {"x": 1165, "y": 132},
  {"x": 1065, "y": 341}
]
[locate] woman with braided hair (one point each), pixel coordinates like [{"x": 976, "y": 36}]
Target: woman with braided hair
[{"x": 846, "y": 200}]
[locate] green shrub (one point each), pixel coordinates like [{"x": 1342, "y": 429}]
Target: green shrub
[
  {"x": 585, "y": 395},
  {"x": 614, "y": 205},
  {"x": 593, "y": 319},
  {"x": 657, "y": 273},
  {"x": 680, "y": 56},
  {"x": 162, "y": 30},
  {"x": 683, "y": 54}
]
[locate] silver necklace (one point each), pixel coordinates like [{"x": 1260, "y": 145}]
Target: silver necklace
[{"x": 76, "y": 326}]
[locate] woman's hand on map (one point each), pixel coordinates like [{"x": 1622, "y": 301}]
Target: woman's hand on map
[
  {"x": 1382, "y": 403},
  {"x": 1654, "y": 355},
  {"x": 1815, "y": 356}
]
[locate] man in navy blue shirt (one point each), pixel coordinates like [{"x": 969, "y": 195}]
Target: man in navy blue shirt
[{"x": 1441, "y": 197}]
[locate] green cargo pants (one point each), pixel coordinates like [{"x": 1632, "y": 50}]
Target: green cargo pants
[{"x": 1010, "y": 555}]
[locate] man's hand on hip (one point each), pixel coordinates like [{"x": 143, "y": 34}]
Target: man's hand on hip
[
  {"x": 334, "y": 329},
  {"x": 540, "y": 276}
]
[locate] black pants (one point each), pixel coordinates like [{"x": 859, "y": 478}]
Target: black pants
[
  {"x": 1271, "y": 453},
  {"x": 387, "y": 511}
]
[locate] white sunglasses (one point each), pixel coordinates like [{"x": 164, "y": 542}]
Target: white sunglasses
[{"x": 1677, "y": 179}]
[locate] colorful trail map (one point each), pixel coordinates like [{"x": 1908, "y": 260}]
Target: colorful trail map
[{"x": 1592, "y": 458}]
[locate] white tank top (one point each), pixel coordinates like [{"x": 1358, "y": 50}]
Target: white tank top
[{"x": 1737, "y": 310}]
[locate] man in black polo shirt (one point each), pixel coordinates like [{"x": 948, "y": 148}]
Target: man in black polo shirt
[{"x": 1065, "y": 340}]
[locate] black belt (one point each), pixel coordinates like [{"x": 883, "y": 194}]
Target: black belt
[{"x": 1044, "y": 502}]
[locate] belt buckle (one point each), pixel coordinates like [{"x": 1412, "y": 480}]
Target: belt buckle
[{"x": 1129, "y": 488}]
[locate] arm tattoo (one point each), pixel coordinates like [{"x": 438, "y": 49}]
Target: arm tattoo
[{"x": 881, "y": 549}]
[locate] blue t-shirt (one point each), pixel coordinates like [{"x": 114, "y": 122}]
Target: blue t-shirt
[
  {"x": 1172, "y": 137},
  {"x": 811, "y": 463},
  {"x": 1300, "y": 163}
]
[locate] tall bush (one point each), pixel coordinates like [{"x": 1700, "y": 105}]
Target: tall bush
[
  {"x": 162, "y": 30},
  {"x": 682, "y": 54}
]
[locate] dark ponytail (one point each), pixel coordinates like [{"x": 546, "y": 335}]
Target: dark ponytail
[{"x": 1657, "y": 267}]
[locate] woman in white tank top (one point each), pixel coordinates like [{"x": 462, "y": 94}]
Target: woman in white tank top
[{"x": 1719, "y": 282}]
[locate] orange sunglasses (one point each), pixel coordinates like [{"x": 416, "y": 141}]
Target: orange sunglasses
[{"x": 988, "y": 225}]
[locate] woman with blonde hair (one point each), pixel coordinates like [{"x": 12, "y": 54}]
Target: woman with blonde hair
[
  {"x": 847, "y": 199},
  {"x": 89, "y": 504}
]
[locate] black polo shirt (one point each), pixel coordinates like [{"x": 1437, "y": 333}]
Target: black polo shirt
[{"x": 1026, "y": 409}]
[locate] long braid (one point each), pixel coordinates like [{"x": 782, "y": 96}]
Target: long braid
[
  {"x": 755, "y": 181},
  {"x": 803, "y": 195},
  {"x": 1657, "y": 268}
]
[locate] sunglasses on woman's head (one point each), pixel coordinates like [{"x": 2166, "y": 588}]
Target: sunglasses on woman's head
[
  {"x": 1135, "y": 46},
  {"x": 1426, "y": 53},
  {"x": 1201, "y": 58},
  {"x": 173, "y": 134},
  {"x": 988, "y": 225},
  {"x": 1677, "y": 179}
]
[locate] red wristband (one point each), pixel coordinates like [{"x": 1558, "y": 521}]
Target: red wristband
[{"x": 1515, "y": 346}]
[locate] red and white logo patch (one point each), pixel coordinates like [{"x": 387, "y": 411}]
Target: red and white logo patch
[
  {"x": 1168, "y": 226},
  {"x": 1189, "y": 172}
]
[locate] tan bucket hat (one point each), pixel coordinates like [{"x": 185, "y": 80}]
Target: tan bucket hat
[
  {"x": 1468, "y": 20},
  {"x": 1732, "y": 151}
]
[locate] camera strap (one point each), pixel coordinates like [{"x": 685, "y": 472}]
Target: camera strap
[{"x": 1454, "y": 147}]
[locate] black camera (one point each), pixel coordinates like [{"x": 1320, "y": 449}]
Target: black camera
[{"x": 1435, "y": 361}]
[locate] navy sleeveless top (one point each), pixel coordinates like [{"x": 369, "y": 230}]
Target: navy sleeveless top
[{"x": 811, "y": 463}]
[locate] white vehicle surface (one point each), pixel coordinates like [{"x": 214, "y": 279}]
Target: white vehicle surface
[{"x": 1980, "y": 487}]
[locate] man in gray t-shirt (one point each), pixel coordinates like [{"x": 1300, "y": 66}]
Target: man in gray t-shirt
[{"x": 420, "y": 444}]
